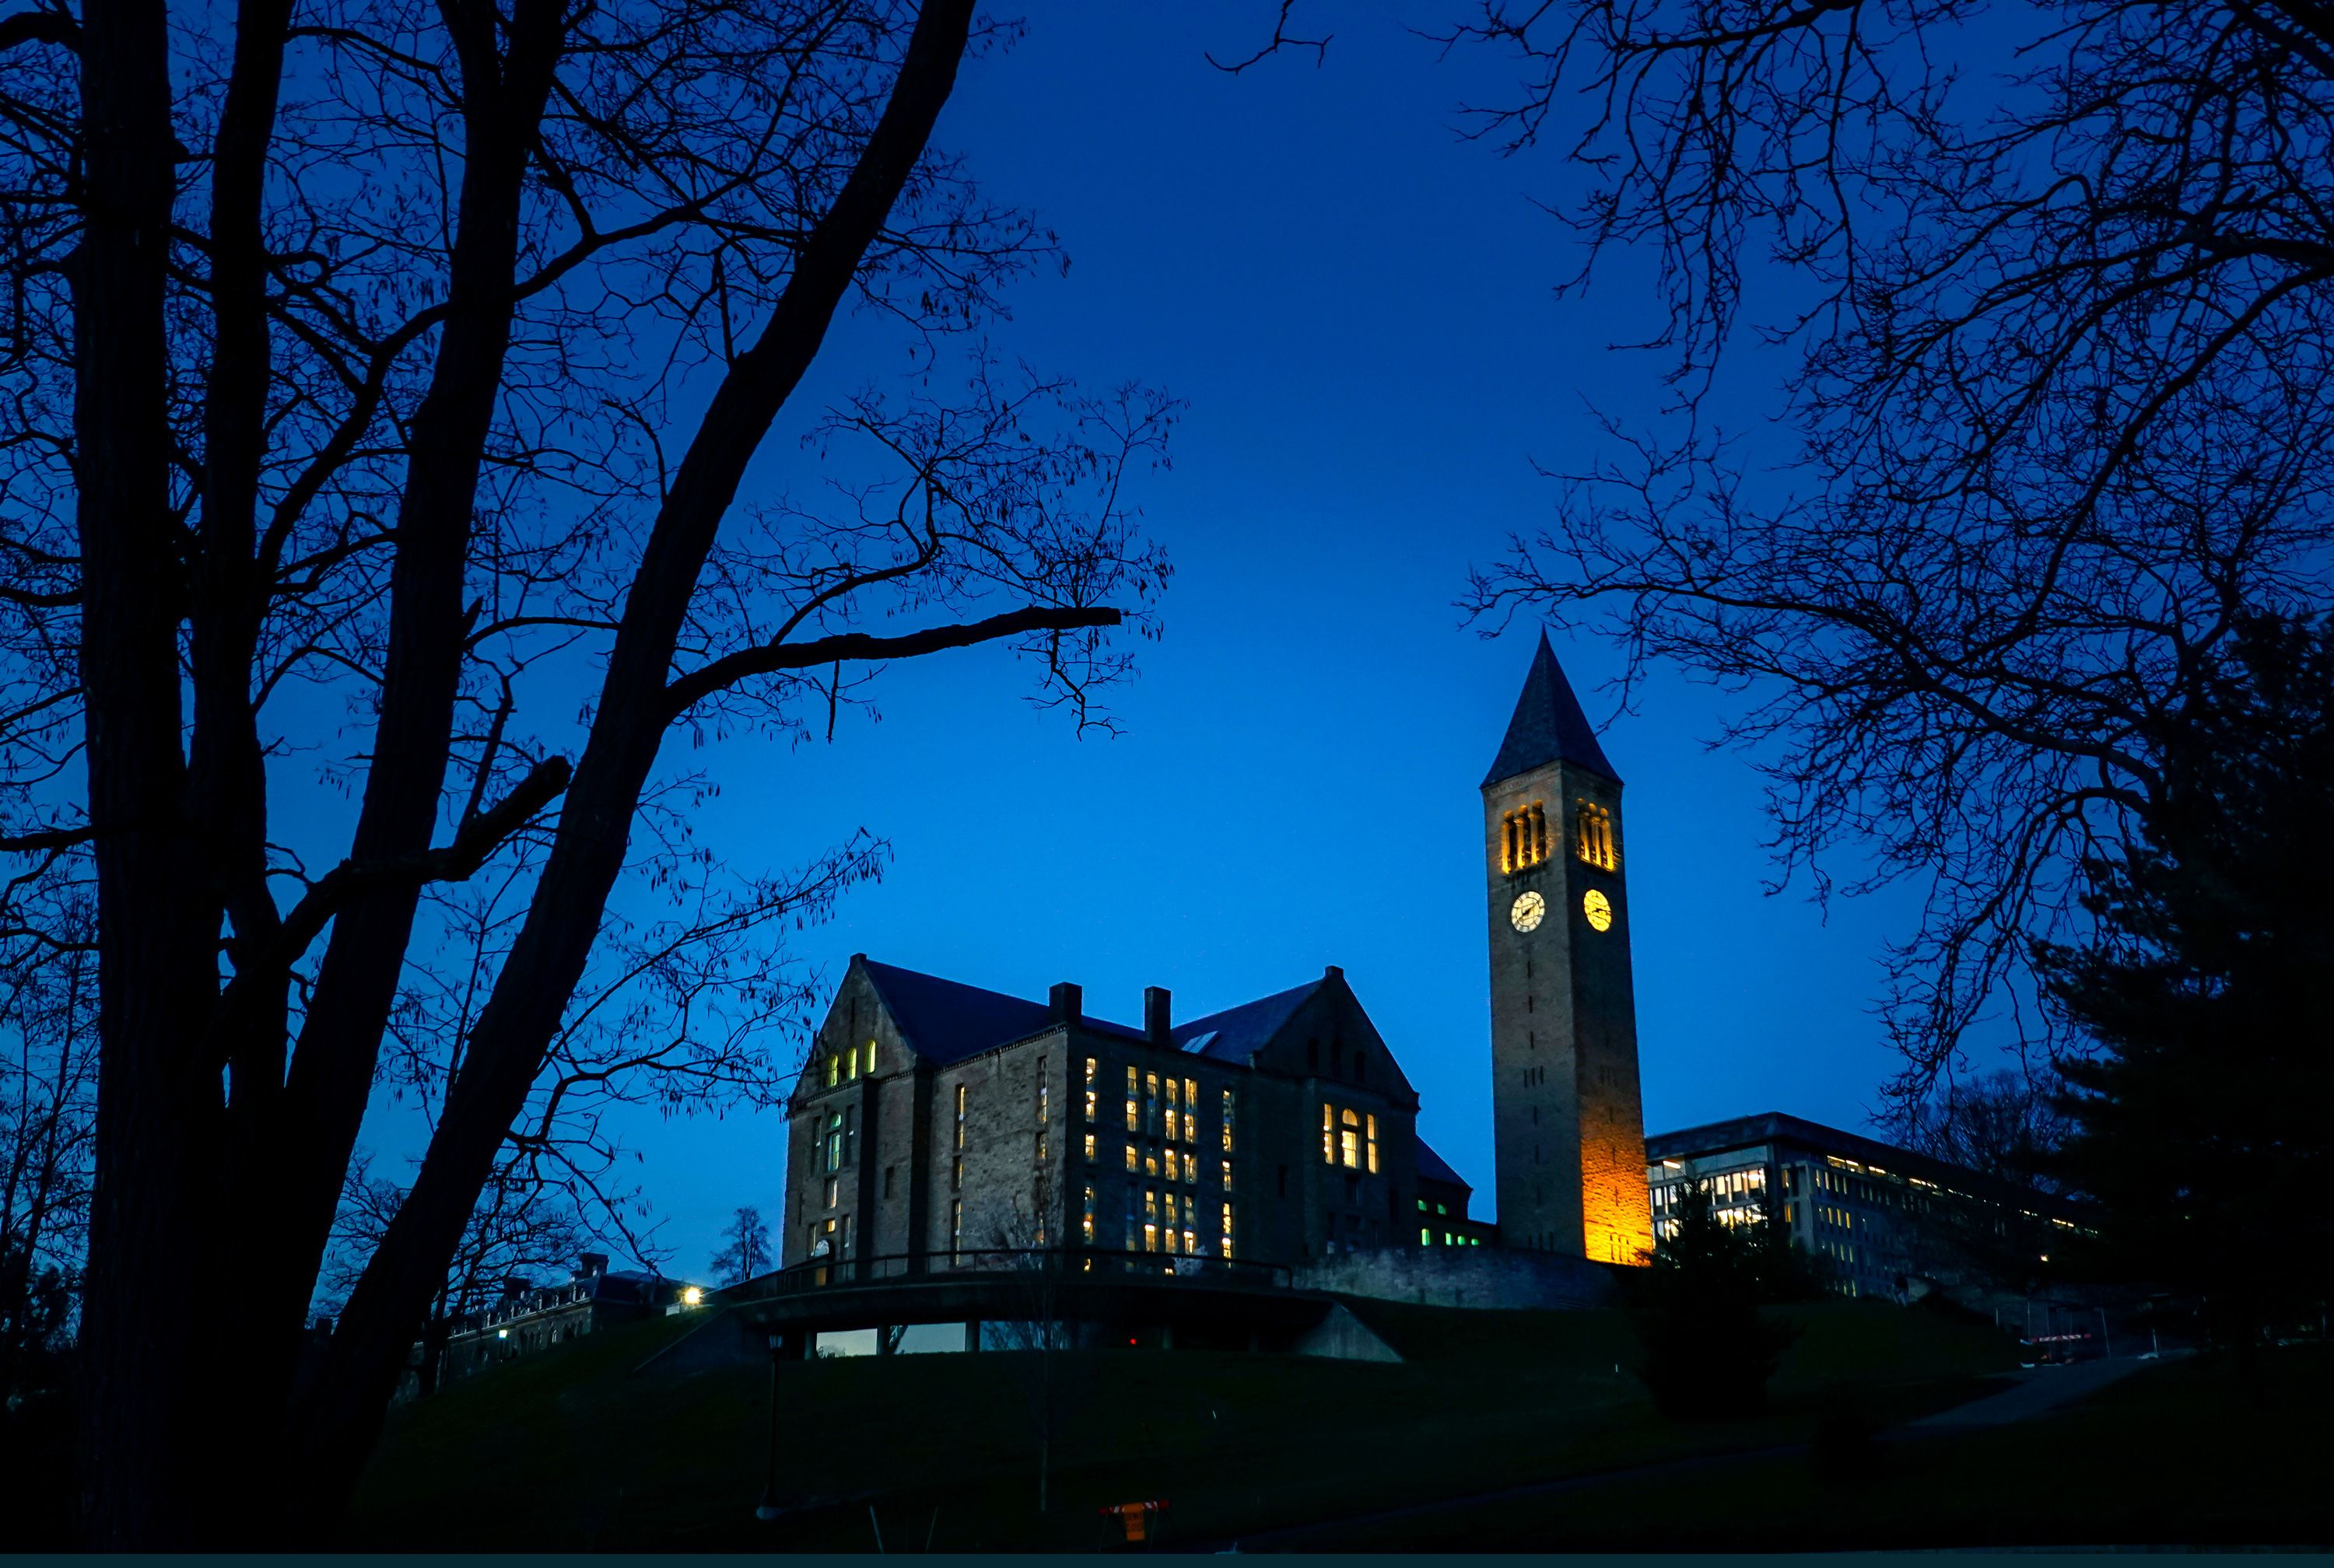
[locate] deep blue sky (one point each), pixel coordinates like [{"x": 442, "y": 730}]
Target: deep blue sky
[{"x": 1355, "y": 304}]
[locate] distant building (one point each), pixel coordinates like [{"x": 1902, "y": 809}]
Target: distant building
[
  {"x": 1442, "y": 1198},
  {"x": 1880, "y": 1221},
  {"x": 529, "y": 1317}
]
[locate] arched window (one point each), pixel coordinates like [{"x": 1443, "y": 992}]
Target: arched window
[
  {"x": 1524, "y": 838},
  {"x": 1593, "y": 836}
]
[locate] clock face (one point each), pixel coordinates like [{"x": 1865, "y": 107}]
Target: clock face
[
  {"x": 1528, "y": 911},
  {"x": 1598, "y": 908}
]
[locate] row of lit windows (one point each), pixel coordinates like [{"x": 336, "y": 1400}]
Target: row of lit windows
[
  {"x": 1144, "y": 1106},
  {"x": 1426, "y": 1238},
  {"x": 842, "y": 1067},
  {"x": 1524, "y": 840},
  {"x": 1169, "y": 1164},
  {"x": 1168, "y": 1222},
  {"x": 1349, "y": 1138}
]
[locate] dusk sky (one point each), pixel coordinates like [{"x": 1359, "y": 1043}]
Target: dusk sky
[{"x": 1356, "y": 305}]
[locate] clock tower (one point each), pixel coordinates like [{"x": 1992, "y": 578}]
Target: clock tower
[{"x": 1566, "y": 1120}]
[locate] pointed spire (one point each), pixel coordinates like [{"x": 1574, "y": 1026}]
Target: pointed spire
[{"x": 1548, "y": 725}]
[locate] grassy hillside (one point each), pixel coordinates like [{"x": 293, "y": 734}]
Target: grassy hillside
[
  {"x": 571, "y": 1449},
  {"x": 2181, "y": 1453}
]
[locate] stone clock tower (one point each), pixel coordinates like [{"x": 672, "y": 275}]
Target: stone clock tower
[{"x": 1567, "y": 1120}]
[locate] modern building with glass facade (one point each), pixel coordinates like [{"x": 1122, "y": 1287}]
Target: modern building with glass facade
[{"x": 1878, "y": 1221}]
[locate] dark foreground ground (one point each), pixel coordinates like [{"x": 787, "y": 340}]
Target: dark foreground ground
[{"x": 573, "y": 1450}]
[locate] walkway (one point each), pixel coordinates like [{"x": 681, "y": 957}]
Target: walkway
[
  {"x": 2042, "y": 1389},
  {"x": 2035, "y": 1391}
]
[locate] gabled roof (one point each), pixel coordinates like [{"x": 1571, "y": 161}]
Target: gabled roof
[
  {"x": 945, "y": 1022},
  {"x": 1548, "y": 725},
  {"x": 1233, "y": 1034},
  {"x": 1433, "y": 1167}
]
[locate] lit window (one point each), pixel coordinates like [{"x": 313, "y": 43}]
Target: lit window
[
  {"x": 870, "y": 1049},
  {"x": 1349, "y": 1141},
  {"x": 1174, "y": 1110},
  {"x": 834, "y": 1141},
  {"x": 1227, "y": 1230},
  {"x": 1086, "y": 1219},
  {"x": 1090, "y": 1146},
  {"x": 1373, "y": 1145},
  {"x": 1329, "y": 1135},
  {"x": 1132, "y": 1163},
  {"x": 1134, "y": 1109},
  {"x": 1190, "y": 1169},
  {"x": 1190, "y": 1111},
  {"x": 851, "y": 1061},
  {"x": 956, "y": 1174},
  {"x": 832, "y": 1188},
  {"x": 1228, "y": 1176},
  {"x": 1524, "y": 838},
  {"x": 1593, "y": 836},
  {"x": 960, "y": 1116},
  {"x": 1150, "y": 1221},
  {"x": 1425, "y": 1237},
  {"x": 956, "y": 1228},
  {"x": 1151, "y": 1103},
  {"x": 1151, "y": 1162},
  {"x": 1228, "y": 1121},
  {"x": 833, "y": 1070},
  {"x": 1090, "y": 1105}
]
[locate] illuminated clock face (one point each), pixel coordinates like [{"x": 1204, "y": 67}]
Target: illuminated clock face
[
  {"x": 1528, "y": 911},
  {"x": 1598, "y": 908}
]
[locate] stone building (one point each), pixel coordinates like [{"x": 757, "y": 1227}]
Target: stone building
[
  {"x": 940, "y": 1125},
  {"x": 528, "y": 1316}
]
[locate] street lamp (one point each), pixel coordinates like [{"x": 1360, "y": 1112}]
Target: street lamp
[{"x": 767, "y": 1510}]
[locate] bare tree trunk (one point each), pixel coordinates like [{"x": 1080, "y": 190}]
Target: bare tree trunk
[
  {"x": 546, "y": 960},
  {"x": 159, "y": 1107}
]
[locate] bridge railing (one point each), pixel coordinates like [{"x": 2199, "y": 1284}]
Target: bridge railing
[{"x": 1070, "y": 1263}]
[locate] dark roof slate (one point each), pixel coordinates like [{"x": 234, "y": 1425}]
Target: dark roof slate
[
  {"x": 945, "y": 1022},
  {"x": 1433, "y": 1167},
  {"x": 1233, "y": 1034},
  {"x": 1548, "y": 725}
]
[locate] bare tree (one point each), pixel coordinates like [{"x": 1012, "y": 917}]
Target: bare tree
[
  {"x": 1034, "y": 1254},
  {"x": 526, "y": 1222},
  {"x": 2005, "y": 1124},
  {"x": 748, "y": 1254},
  {"x": 48, "y": 1082},
  {"x": 383, "y": 382},
  {"x": 2060, "y": 283}
]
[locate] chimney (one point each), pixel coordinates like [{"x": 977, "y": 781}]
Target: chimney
[
  {"x": 1065, "y": 1002},
  {"x": 594, "y": 1264},
  {"x": 1333, "y": 973},
  {"x": 1156, "y": 1016}
]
